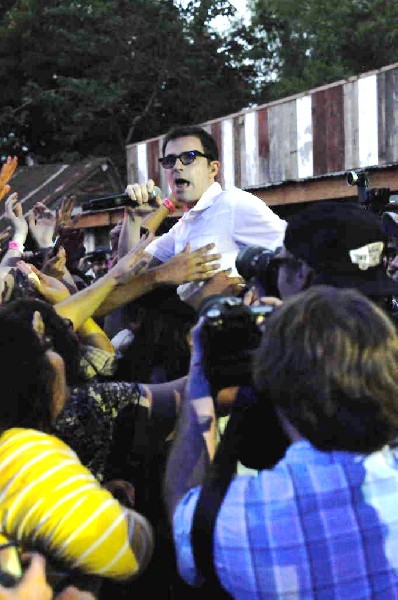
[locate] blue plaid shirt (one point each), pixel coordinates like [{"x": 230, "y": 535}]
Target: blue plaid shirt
[{"x": 319, "y": 525}]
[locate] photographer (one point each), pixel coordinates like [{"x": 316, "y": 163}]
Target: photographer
[
  {"x": 327, "y": 362},
  {"x": 338, "y": 244}
]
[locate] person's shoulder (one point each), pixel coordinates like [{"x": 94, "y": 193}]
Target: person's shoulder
[{"x": 238, "y": 197}]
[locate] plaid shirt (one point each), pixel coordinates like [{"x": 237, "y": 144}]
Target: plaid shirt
[
  {"x": 319, "y": 525},
  {"x": 95, "y": 361}
]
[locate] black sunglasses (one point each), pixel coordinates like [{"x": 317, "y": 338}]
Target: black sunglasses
[{"x": 186, "y": 158}]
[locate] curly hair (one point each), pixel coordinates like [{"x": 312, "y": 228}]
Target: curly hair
[
  {"x": 63, "y": 340},
  {"x": 161, "y": 339},
  {"x": 328, "y": 360},
  {"x": 26, "y": 376}
]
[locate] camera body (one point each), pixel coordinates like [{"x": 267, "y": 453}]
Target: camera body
[
  {"x": 231, "y": 332},
  {"x": 375, "y": 199},
  {"x": 257, "y": 263}
]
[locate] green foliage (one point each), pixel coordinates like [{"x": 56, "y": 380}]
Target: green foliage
[
  {"x": 313, "y": 42},
  {"x": 87, "y": 77}
]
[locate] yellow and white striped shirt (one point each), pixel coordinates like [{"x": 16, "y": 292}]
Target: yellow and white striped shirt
[{"x": 50, "y": 502}]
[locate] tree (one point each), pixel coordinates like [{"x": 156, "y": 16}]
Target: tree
[
  {"x": 87, "y": 78},
  {"x": 313, "y": 42}
]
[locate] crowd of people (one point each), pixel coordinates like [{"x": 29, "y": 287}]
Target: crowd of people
[{"x": 129, "y": 466}]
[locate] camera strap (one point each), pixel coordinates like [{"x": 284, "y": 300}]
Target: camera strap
[{"x": 214, "y": 488}]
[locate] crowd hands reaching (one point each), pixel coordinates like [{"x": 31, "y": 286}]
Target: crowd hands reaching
[
  {"x": 137, "y": 375},
  {"x": 46, "y": 288}
]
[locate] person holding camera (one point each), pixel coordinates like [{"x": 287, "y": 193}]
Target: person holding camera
[
  {"x": 228, "y": 218},
  {"x": 339, "y": 244},
  {"x": 321, "y": 523}
]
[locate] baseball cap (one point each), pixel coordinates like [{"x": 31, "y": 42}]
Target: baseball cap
[
  {"x": 389, "y": 221},
  {"x": 344, "y": 243}
]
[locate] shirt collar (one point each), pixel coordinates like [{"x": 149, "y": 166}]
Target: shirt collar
[
  {"x": 304, "y": 452},
  {"x": 207, "y": 199}
]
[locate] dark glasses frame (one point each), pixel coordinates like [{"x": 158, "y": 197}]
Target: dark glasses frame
[{"x": 186, "y": 158}]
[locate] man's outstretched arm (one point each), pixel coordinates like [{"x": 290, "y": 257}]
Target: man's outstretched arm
[{"x": 195, "y": 441}]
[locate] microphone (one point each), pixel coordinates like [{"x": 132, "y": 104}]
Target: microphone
[{"x": 115, "y": 200}]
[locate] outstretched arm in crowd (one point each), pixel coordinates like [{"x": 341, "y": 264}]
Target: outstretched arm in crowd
[
  {"x": 187, "y": 266},
  {"x": 55, "y": 292},
  {"x": 195, "y": 441},
  {"x": 86, "y": 302}
]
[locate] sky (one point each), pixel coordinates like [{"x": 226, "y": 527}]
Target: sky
[{"x": 221, "y": 23}]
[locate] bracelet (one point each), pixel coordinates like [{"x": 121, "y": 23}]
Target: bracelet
[
  {"x": 13, "y": 245},
  {"x": 169, "y": 205}
]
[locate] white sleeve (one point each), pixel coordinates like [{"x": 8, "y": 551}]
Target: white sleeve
[{"x": 255, "y": 224}]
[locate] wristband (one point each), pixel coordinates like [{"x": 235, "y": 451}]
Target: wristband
[
  {"x": 169, "y": 205},
  {"x": 13, "y": 245}
]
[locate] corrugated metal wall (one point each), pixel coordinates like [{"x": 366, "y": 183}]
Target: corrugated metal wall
[{"x": 346, "y": 125}]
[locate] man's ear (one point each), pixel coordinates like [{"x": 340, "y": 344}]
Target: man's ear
[
  {"x": 306, "y": 276},
  {"x": 215, "y": 167}
]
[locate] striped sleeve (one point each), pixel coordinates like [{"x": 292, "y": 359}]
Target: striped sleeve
[{"x": 49, "y": 501}]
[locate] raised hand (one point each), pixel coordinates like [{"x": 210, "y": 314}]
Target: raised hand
[
  {"x": 55, "y": 264},
  {"x": 221, "y": 284},
  {"x": 189, "y": 266},
  {"x": 13, "y": 212},
  {"x": 51, "y": 288},
  {"x": 63, "y": 216},
  {"x": 42, "y": 225},
  {"x": 147, "y": 195},
  {"x": 7, "y": 171},
  {"x": 133, "y": 262}
]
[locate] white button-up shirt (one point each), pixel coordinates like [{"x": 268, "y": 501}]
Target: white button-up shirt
[{"x": 230, "y": 219}]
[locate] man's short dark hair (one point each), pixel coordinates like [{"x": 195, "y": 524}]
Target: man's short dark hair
[
  {"x": 208, "y": 142},
  {"x": 328, "y": 360}
]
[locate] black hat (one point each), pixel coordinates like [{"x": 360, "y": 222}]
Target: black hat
[
  {"x": 344, "y": 243},
  {"x": 389, "y": 221}
]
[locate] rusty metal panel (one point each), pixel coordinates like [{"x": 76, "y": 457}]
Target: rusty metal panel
[
  {"x": 153, "y": 160},
  {"x": 305, "y": 161},
  {"x": 388, "y": 116},
  {"x": 351, "y": 124},
  {"x": 162, "y": 181},
  {"x": 282, "y": 121},
  {"x": 263, "y": 145},
  {"x": 239, "y": 149},
  {"x": 328, "y": 130},
  {"x": 132, "y": 164},
  {"x": 227, "y": 154},
  {"x": 251, "y": 146},
  {"x": 368, "y": 121}
]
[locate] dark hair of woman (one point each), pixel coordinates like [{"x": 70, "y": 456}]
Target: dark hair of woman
[
  {"x": 160, "y": 350},
  {"x": 26, "y": 376},
  {"x": 63, "y": 340}
]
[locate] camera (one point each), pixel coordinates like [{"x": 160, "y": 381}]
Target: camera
[
  {"x": 375, "y": 199},
  {"x": 257, "y": 263},
  {"x": 231, "y": 332}
]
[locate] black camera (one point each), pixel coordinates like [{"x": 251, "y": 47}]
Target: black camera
[
  {"x": 231, "y": 332},
  {"x": 257, "y": 263},
  {"x": 375, "y": 199}
]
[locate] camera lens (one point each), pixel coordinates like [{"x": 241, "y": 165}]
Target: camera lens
[{"x": 352, "y": 178}]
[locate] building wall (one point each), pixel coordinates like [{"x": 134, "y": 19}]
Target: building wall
[{"x": 346, "y": 125}]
